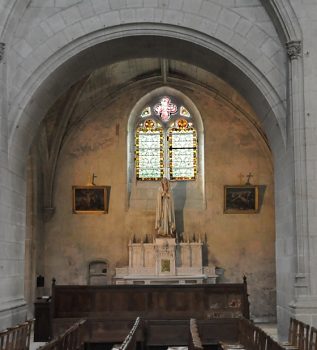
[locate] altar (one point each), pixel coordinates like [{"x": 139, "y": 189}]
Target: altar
[{"x": 165, "y": 261}]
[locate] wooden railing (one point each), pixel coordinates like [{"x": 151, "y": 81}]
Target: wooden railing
[
  {"x": 301, "y": 337},
  {"x": 17, "y": 337},
  {"x": 251, "y": 337},
  {"x": 298, "y": 335},
  {"x": 71, "y": 339},
  {"x": 130, "y": 341},
  {"x": 194, "y": 342}
]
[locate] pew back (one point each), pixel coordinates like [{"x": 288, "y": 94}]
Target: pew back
[
  {"x": 130, "y": 341},
  {"x": 17, "y": 337},
  {"x": 312, "y": 339},
  {"x": 194, "y": 342},
  {"x": 150, "y": 301},
  {"x": 298, "y": 335},
  {"x": 71, "y": 339}
]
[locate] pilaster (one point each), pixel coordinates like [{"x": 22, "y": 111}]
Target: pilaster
[{"x": 304, "y": 306}]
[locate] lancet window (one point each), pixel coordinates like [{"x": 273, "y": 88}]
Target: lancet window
[{"x": 165, "y": 142}]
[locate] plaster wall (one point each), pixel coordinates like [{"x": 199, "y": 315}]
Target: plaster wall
[{"x": 239, "y": 243}]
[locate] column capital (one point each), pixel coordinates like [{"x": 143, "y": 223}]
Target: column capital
[{"x": 294, "y": 49}]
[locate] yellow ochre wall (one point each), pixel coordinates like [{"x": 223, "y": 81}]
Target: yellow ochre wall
[{"x": 238, "y": 243}]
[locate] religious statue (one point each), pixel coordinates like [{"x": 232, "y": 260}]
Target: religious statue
[{"x": 165, "y": 215}]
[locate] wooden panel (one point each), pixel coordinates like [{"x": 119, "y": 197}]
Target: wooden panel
[
  {"x": 150, "y": 302},
  {"x": 172, "y": 332},
  {"x": 42, "y": 326},
  {"x": 215, "y": 330}
]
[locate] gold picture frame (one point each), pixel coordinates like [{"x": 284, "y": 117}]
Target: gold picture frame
[
  {"x": 90, "y": 200},
  {"x": 165, "y": 265},
  {"x": 241, "y": 199}
]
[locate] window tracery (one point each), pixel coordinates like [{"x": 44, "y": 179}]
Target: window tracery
[{"x": 165, "y": 143}]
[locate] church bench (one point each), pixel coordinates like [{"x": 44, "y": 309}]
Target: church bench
[
  {"x": 131, "y": 339},
  {"x": 110, "y": 310},
  {"x": 250, "y": 337},
  {"x": 312, "y": 344},
  {"x": 194, "y": 342},
  {"x": 71, "y": 339},
  {"x": 150, "y": 301},
  {"x": 17, "y": 337},
  {"x": 273, "y": 345},
  {"x": 298, "y": 335}
]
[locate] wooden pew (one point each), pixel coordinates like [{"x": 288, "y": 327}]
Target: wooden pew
[
  {"x": 250, "y": 337},
  {"x": 194, "y": 342},
  {"x": 260, "y": 339},
  {"x": 298, "y": 335},
  {"x": 130, "y": 341},
  {"x": 71, "y": 339},
  {"x": 273, "y": 345},
  {"x": 17, "y": 337},
  {"x": 312, "y": 345},
  {"x": 119, "y": 305}
]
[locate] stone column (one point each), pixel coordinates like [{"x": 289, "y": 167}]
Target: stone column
[
  {"x": 297, "y": 143},
  {"x": 304, "y": 306},
  {"x": 12, "y": 304}
]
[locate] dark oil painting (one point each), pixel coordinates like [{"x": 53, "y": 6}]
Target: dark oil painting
[
  {"x": 241, "y": 199},
  {"x": 89, "y": 199}
]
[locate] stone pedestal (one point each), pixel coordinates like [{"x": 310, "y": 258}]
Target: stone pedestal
[{"x": 165, "y": 262}]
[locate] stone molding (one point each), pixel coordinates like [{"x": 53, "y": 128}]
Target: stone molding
[{"x": 294, "y": 49}]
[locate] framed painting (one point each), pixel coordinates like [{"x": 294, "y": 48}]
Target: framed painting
[
  {"x": 241, "y": 199},
  {"x": 90, "y": 200},
  {"x": 165, "y": 265}
]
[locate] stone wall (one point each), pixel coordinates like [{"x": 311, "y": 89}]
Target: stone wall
[
  {"x": 239, "y": 243},
  {"x": 33, "y": 75}
]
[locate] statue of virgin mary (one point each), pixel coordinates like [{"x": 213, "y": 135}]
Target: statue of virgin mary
[{"x": 165, "y": 215}]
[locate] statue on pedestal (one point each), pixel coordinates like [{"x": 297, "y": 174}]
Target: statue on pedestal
[{"x": 165, "y": 215}]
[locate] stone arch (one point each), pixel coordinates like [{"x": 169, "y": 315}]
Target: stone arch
[
  {"x": 68, "y": 28},
  {"x": 40, "y": 84},
  {"x": 45, "y": 86},
  {"x": 210, "y": 55}
]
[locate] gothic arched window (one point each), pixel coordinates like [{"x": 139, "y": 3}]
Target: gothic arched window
[{"x": 165, "y": 142}]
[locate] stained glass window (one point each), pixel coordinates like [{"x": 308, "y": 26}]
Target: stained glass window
[
  {"x": 165, "y": 108},
  {"x": 184, "y": 112},
  {"x": 149, "y": 151},
  {"x": 165, "y": 143},
  {"x": 182, "y": 151},
  {"x": 146, "y": 112}
]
